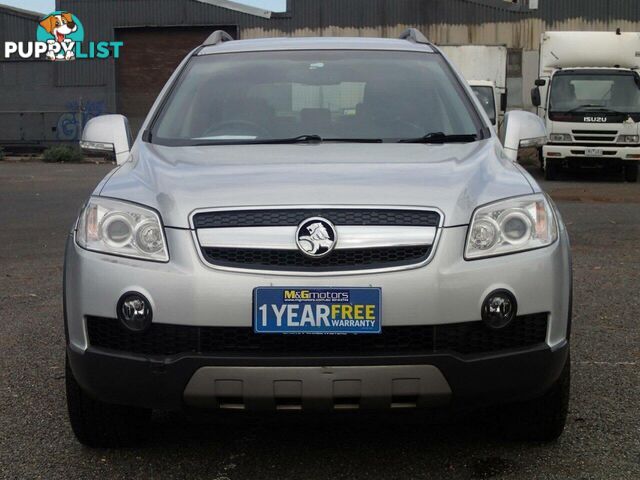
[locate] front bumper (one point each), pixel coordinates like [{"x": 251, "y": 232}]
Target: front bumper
[
  {"x": 261, "y": 384},
  {"x": 186, "y": 292},
  {"x": 576, "y": 152},
  {"x": 448, "y": 290}
]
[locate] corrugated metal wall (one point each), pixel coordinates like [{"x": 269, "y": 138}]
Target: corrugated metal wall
[
  {"x": 16, "y": 26},
  {"x": 443, "y": 21},
  {"x": 478, "y": 21},
  {"x": 33, "y": 108}
]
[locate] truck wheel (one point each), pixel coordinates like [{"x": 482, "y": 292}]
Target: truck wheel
[
  {"x": 631, "y": 172},
  {"x": 542, "y": 419},
  {"x": 100, "y": 425},
  {"x": 541, "y": 159},
  {"x": 551, "y": 169}
]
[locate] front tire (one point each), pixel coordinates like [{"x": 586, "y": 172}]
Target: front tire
[
  {"x": 541, "y": 159},
  {"x": 543, "y": 419},
  {"x": 101, "y": 425},
  {"x": 551, "y": 169},
  {"x": 631, "y": 171}
]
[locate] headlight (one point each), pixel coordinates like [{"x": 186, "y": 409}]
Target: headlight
[
  {"x": 121, "y": 228},
  {"x": 560, "y": 137},
  {"x": 629, "y": 138},
  {"x": 510, "y": 226}
]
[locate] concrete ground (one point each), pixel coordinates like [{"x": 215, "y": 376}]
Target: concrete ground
[{"x": 38, "y": 203}]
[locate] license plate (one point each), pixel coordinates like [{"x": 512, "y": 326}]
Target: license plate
[
  {"x": 593, "y": 152},
  {"x": 317, "y": 310}
]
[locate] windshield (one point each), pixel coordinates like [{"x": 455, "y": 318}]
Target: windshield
[
  {"x": 607, "y": 91},
  {"x": 485, "y": 95},
  {"x": 335, "y": 95}
]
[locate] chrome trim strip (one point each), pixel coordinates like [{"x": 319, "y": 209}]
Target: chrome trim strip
[
  {"x": 338, "y": 273},
  {"x": 261, "y": 238},
  {"x": 283, "y": 238}
]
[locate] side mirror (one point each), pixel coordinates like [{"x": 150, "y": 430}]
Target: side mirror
[
  {"x": 536, "y": 99},
  {"x": 108, "y": 134},
  {"x": 503, "y": 102},
  {"x": 540, "y": 82},
  {"x": 521, "y": 130}
]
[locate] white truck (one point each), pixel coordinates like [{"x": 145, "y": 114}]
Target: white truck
[
  {"x": 485, "y": 68},
  {"x": 588, "y": 93}
]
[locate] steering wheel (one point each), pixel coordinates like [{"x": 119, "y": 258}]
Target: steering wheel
[{"x": 253, "y": 127}]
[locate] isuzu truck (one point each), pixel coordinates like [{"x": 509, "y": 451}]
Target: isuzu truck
[{"x": 588, "y": 93}]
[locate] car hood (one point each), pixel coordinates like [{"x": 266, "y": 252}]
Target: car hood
[{"x": 454, "y": 178}]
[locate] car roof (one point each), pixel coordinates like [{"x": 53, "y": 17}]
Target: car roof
[{"x": 316, "y": 43}]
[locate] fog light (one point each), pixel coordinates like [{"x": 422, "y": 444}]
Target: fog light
[
  {"x": 134, "y": 311},
  {"x": 499, "y": 309}
]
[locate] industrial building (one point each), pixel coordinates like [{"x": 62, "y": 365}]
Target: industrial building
[{"x": 44, "y": 102}]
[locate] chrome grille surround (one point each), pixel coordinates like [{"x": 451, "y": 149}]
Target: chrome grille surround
[{"x": 430, "y": 216}]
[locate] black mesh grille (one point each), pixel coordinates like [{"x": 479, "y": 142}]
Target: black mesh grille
[
  {"x": 469, "y": 338},
  {"x": 588, "y": 138},
  {"x": 595, "y": 132},
  {"x": 292, "y": 260},
  {"x": 160, "y": 339},
  {"x": 462, "y": 338},
  {"x": 294, "y": 217}
]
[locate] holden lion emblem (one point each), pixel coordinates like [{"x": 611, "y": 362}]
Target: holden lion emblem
[{"x": 316, "y": 237}]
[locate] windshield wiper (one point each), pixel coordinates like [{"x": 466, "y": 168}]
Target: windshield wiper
[
  {"x": 316, "y": 139},
  {"x": 298, "y": 139},
  {"x": 609, "y": 110},
  {"x": 354, "y": 140},
  {"x": 581, "y": 107},
  {"x": 257, "y": 141},
  {"x": 593, "y": 108},
  {"x": 441, "y": 137},
  {"x": 281, "y": 141}
]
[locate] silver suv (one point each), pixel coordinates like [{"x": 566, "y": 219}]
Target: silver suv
[{"x": 325, "y": 224}]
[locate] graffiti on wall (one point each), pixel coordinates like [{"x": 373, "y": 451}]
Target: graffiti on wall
[{"x": 72, "y": 122}]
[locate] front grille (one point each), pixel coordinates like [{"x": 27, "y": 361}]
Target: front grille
[
  {"x": 294, "y": 217},
  {"x": 462, "y": 338},
  {"x": 293, "y": 260},
  {"x": 595, "y": 132},
  {"x": 591, "y": 138},
  {"x": 595, "y": 135}
]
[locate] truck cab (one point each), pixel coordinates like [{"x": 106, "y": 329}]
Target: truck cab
[
  {"x": 588, "y": 94},
  {"x": 492, "y": 100}
]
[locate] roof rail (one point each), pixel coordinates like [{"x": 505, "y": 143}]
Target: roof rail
[
  {"x": 219, "y": 36},
  {"x": 414, "y": 35}
]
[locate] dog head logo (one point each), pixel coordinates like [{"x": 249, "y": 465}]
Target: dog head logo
[
  {"x": 59, "y": 26},
  {"x": 316, "y": 237},
  {"x": 61, "y": 31}
]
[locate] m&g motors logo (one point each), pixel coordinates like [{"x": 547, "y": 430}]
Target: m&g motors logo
[{"x": 60, "y": 37}]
